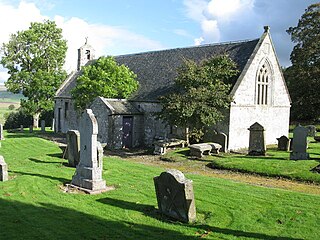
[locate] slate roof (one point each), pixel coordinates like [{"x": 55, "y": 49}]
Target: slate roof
[
  {"x": 156, "y": 70},
  {"x": 120, "y": 106}
]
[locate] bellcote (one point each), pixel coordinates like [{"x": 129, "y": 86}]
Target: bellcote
[{"x": 85, "y": 54}]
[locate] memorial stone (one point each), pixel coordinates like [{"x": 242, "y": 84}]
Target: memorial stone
[
  {"x": 73, "y": 147},
  {"x": 30, "y": 129},
  {"x": 299, "y": 144},
  {"x": 221, "y": 138},
  {"x": 175, "y": 196},
  {"x": 43, "y": 126},
  {"x": 88, "y": 175},
  {"x": 283, "y": 143},
  {"x": 3, "y": 170},
  {"x": 257, "y": 144},
  {"x": 1, "y": 132}
]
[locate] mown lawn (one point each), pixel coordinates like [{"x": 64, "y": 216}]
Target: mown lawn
[{"x": 33, "y": 204}]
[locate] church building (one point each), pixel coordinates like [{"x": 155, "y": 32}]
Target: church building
[{"x": 259, "y": 95}]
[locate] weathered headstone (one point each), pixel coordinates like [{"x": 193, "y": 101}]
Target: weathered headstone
[
  {"x": 299, "y": 144},
  {"x": 21, "y": 128},
  {"x": 31, "y": 129},
  {"x": 73, "y": 147},
  {"x": 88, "y": 175},
  {"x": 221, "y": 138},
  {"x": 43, "y": 126},
  {"x": 175, "y": 195},
  {"x": 3, "y": 170},
  {"x": 257, "y": 145},
  {"x": 283, "y": 143},
  {"x": 312, "y": 130},
  {"x": 1, "y": 132},
  {"x": 52, "y": 126}
]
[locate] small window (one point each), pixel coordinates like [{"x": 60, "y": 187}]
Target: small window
[
  {"x": 263, "y": 85},
  {"x": 66, "y": 109},
  {"x": 88, "y": 54}
]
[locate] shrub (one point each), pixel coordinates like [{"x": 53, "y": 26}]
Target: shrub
[
  {"x": 11, "y": 107},
  {"x": 16, "y": 119}
]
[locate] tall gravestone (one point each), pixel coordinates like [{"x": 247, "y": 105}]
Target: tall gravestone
[
  {"x": 31, "y": 129},
  {"x": 175, "y": 196},
  {"x": 73, "y": 147},
  {"x": 1, "y": 132},
  {"x": 43, "y": 125},
  {"x": 222, "y": 139},
  {"x": 88, "y": 175},
  {"x": 257, "y": 145},
  {"x": 299, "y": 144},
  {"x": 283, "y": 143},
  {"x": 3, "y": 170}
]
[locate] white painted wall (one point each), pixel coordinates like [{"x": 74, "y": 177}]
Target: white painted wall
[{"x": 244, "y": 111}]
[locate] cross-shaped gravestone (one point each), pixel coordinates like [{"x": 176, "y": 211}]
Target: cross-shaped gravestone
[
  {"x": 88, "y": 175},
  {"x": 175, "y": 195}
]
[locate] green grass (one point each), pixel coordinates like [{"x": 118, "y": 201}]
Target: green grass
[
  {"x": 274, "y": 164},
  {"x": 33, "y": 205}
]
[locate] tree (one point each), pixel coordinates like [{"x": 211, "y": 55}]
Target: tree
[
  {"x": 34, "y": 59},
  {"x": 201, "y": 94},
  {"x": 303, "y": 76},
  {"x": 104, "y": 78}
]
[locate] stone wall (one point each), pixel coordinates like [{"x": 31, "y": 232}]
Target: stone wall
[{"x": 69, "y": 119}]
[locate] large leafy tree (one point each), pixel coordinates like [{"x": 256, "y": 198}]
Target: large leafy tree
[
  {"x": 201, "y": 94},
  {"x": 34, "y": 59},
  {"x": 104, "y": 78},
  {"x": 303, "y": 76}
]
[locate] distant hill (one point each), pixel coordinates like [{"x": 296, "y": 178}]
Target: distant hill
[{"x": 9, "y": 97}]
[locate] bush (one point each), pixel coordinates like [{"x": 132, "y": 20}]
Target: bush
[
  {"x": 16, "y": 119},
  {"x": 11, "y": 107}
]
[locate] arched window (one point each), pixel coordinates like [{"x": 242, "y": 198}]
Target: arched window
[{"x": 263, "y": 85}]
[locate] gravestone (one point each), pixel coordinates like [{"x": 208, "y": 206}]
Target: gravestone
[
  {"x": 175, "y": 196},
  {"x": 31, "y": 129},
  {"x": 283, "y": 143},
  {"x": 312, "y": 130},
  {"x": 21, "y": 128},
  {"x": 43, "y": 126},
  {"x": 73, "y": 147},
  {"x": 221, "y": 138},
  {"x": 257, "y": 145},
  {"x": 88, "y": 175},
  {"x": 52, "y": 126},
  {"x": 3, "y": 170},
  {"x": 299, "y": 144},
  {"x": 1, "y": 132}
]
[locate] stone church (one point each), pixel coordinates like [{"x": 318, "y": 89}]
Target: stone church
[{"x": 259, "y": 95}]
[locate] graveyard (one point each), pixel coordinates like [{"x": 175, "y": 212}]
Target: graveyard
[{"x": 36, "y": 200}]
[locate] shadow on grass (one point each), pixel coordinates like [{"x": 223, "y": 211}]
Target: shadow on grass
[
  {"x": 56, "y": 155},
  {"x": 62, "y": 180},
  {"x": 153, "y": 212},
  {"x": 20, "y": 135},
  {"x": 41, "y": 161},
  {"x": 49, "y": 221}
]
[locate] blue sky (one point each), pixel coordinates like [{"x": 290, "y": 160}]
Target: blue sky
[{"x": 116, "y": 27}]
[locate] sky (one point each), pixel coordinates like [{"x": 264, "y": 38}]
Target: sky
[{"x": 116, "y": 27}]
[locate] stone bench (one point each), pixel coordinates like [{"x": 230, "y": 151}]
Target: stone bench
[
  {"x": 160, "y": 146},
  {"x": 199, "y": 149}
]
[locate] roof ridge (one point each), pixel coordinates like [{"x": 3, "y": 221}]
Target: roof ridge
[{"x": 190, "y": 47}]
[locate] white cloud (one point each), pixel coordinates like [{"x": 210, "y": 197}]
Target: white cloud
[
  {"x": 198, "y": 41},
  {"x": 107, "y": 40}
]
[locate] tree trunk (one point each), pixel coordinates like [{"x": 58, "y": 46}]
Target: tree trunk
[
  {"x": 36, "y": 120},
  {"x": 187, "y": 135}
]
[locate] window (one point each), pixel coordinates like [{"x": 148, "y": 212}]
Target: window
[
  {"x": 263, "y": 85},
  {"x": 66, "y": 108},
  {"x": 88, "y": 54}
]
